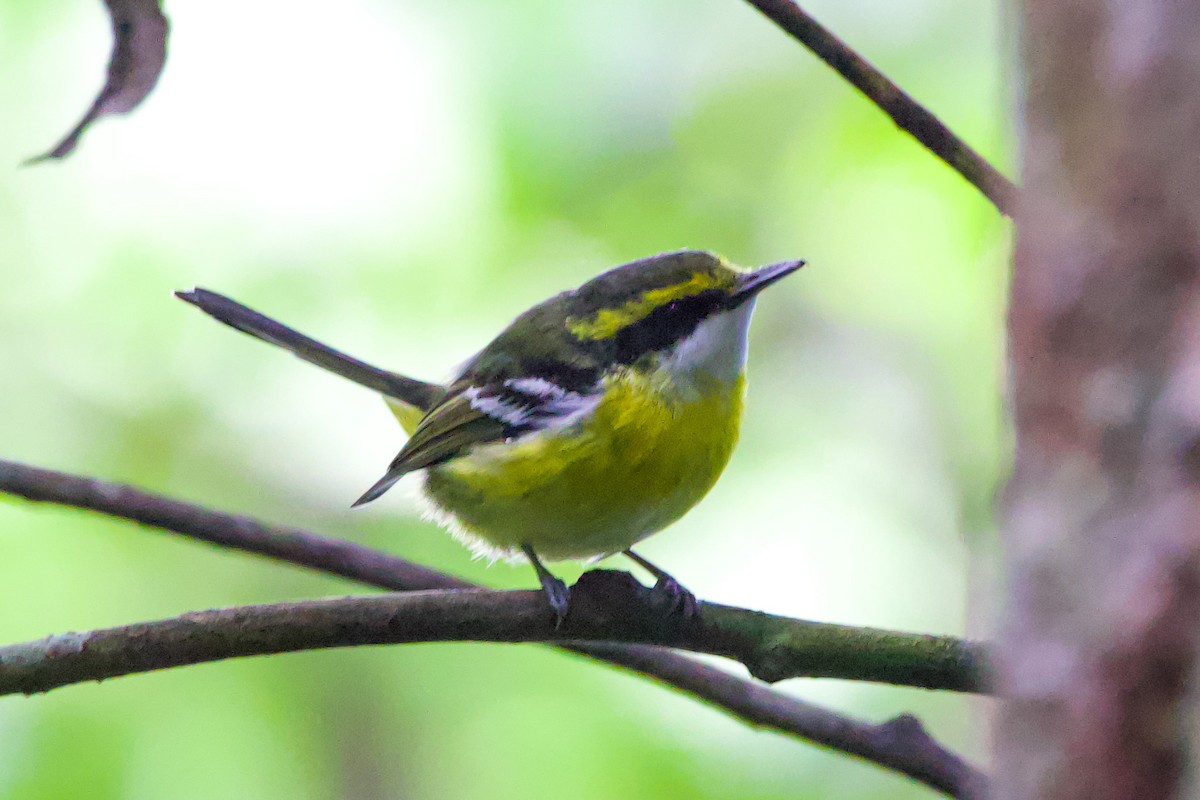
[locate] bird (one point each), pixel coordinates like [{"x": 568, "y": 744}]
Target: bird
[{"x": 596, "y": 418}]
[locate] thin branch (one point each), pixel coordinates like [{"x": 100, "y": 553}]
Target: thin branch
[
  {"x": 429, "y": 616},
  {"x": 896, "y": 745},
  {"x": 606, "y": 606},
  {"x": 900, "y": 744},
  {"x": 772, "y": 647},
  {"x": 907, "y": 113}
]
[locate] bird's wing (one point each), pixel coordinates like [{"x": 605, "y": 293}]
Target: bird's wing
[
  {"x": 408, "y": 390},
  {"x": 483, "y": 414}
]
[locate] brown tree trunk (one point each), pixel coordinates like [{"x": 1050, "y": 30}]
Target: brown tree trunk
[{"x": 1102, "y": 513}]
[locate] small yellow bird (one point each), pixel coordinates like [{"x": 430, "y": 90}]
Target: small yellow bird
[{"x": 597, "y": 418}]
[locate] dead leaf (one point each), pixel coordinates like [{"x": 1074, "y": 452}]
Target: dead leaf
[{"x": 139, "y": 52}]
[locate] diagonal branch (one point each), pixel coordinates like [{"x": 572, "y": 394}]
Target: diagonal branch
[
  {"x": 907, "y": 113},
  {"x": 900, "y": 744}
]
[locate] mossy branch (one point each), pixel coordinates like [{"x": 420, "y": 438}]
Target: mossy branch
[{"x": 775, "y": 648}]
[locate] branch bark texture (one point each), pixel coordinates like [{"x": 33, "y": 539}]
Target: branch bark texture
[
  {"x": 1103, "y": 512},
  {"x": 900, "y": 744},
  {"x": 607, "y": 607}
]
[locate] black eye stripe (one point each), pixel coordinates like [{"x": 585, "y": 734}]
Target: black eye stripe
[{"x": 666, "y": 325}]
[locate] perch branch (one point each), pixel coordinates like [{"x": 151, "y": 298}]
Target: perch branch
[
  {"x": 606, "y": 606},
  {"x": 899, "y": 744}
]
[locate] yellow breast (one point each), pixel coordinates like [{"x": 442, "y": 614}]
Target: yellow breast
[{"x": 646, "y": 454}]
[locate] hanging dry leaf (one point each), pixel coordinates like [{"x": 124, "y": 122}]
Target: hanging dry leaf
[{"x": 139, "y": 52}]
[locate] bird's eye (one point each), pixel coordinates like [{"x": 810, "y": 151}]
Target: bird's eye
[{"x": 674, "y": 304}]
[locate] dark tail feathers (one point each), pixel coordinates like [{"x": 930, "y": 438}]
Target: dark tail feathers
[{"x": 247, "y": 320}]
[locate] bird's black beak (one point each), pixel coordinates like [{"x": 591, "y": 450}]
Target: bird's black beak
[{"x": 751, "y": 283}]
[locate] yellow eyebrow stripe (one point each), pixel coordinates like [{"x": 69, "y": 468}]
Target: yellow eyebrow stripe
[{"x": 608, "y": 321}]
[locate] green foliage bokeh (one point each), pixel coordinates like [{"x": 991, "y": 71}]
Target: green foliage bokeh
[{"x": 400, "y": 179}]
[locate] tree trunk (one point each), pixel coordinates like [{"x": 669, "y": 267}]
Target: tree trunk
[{"x": 1102, "y": 513}]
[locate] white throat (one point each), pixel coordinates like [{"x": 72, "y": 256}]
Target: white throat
[{"x": 716, "y": 348}]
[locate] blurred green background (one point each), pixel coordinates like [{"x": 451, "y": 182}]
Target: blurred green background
[{"x": 400, "y": 179}]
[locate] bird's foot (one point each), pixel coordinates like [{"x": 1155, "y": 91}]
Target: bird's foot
[
  {"x": 674, "y": 599},
  {"x": 668, "y": 594},
  {"x": 557, "y": 593},
  {"x": 559, "y": 597}
]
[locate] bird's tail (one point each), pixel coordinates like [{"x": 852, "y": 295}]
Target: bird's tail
[
  {"x": 382, "y": 485},
  {"x": 410, "y": 391}
]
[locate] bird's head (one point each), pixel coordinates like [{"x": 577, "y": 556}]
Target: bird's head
[
  {"x": 657, "y": 304},
  {"x": 688, "y": 310}
]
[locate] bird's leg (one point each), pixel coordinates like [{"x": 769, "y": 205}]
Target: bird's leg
[
  {"x": 678, "y": 600},
  {"x": 556, "y": 591}
]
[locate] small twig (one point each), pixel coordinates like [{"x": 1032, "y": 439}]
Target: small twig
[
  {"x": 138, "y": 54},
  {"x": 906, "y": 112},
  {"x": 924, "y": 761}
]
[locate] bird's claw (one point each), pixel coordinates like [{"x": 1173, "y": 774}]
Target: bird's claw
[
  {"x": 559, "y": 597},
  {"x": 675, "y": 599}
]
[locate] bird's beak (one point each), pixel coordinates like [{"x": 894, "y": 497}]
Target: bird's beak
[{"x": 751, "y": 283}]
